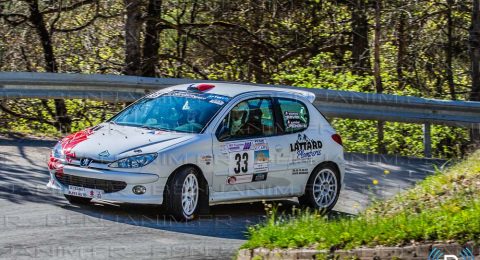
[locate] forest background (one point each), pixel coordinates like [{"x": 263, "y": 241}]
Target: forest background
[{"x": 424, "y": 48}]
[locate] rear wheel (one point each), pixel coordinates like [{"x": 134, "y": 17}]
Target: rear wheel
[
  {"x": 78, "y": 200},
  {"x": 183, "y": 194},
  {"x": 323, "y": 188}
]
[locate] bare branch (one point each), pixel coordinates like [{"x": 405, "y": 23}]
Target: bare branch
[
  {"x": 193, "y": 67},
  {"x": 88, "y": 23},
  {"x": 14, "y": 19},
  {"x": 310, "y": 49},
  {"x": 225, "y": 25},
  {"x": 57, "y": 17},
  {"x": 28, "y": 118},
  {"x": 68, "y": 8}
]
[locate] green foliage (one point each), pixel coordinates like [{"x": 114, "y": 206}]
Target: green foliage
[
  {"x": 305, "y": 43},
  {"x": 84, "y": 114},
  {"x": 401, "y": 138},
  {"x": 321, "y": 73},
  {"x": 361, "y": 135},
  {"x": 445, "y": 206}
]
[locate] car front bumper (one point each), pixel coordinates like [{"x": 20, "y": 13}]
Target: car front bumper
[{"x": 153, "y": 183}]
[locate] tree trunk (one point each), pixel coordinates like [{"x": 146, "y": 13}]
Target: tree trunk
[
  {"x": 475, "y": 57},
  {"x": 36, "y": 18},
  {"x": 255, "y": 67},
  {"x": 133, "y": 27},
  {"x": 401, "y": 51},
  {"x": 377, "y": 72},
  {"x": 449, "y": 51},
  {"x": 360, "y": 48},
  {"x": 151, "y": 43},
  {"x": 63, "y": 122},
  {"x": 475, "y": 51}
]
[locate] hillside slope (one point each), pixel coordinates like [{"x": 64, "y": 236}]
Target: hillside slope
[{"x": 443, "y": 207}]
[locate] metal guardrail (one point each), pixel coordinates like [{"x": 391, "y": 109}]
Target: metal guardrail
[{"x": 332, "y": 103}]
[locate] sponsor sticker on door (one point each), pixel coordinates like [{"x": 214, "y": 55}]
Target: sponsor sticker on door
[{"x": 248, "y": 157}]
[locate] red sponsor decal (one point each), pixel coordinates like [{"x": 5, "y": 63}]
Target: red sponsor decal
[
  {"x": 231, "y": 180},
  {"x": 69, "y": 159},
  {"x": 156, "y": 132},
  {"x": 69, "y": 142},
  {"x": 55, "y": 164}
]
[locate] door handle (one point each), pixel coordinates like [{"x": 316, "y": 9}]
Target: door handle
[{"x": 278, "y": 148}]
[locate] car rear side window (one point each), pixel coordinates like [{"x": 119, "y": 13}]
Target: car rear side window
[{"x": 295, "y": 115}]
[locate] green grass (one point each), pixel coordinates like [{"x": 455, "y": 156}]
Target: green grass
[{"x": 445, "y": 206}]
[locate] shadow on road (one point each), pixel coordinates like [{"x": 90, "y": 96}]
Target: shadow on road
[
  {"x": 23, "y": 173},
  {"x": 23, "y": 176},
  {"x": 224, "y": 221},
  {"x": 20, "y": 143}
]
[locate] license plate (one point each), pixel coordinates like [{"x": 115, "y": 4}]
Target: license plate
[{"x": 84, "y": 192}]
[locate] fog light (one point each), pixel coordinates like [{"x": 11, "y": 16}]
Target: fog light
[{"x": 139, "y": 189}]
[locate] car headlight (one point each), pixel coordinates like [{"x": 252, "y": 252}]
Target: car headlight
[
  {"x": 136, "y": 161},
  {"x": 57, "y": 151}
]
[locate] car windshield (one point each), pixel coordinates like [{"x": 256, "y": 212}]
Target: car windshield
[{"x": 180, "y": 111}]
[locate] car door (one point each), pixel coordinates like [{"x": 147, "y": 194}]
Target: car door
[
  {"x": 243, "y": 148},
  {"x": 301, "y": 143}
]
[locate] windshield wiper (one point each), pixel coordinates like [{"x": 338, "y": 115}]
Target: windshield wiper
[
  {"x": 146, "y": 127},
  {"x": 153, "y": 128}
]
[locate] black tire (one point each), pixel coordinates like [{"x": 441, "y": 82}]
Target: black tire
[
  {"x": 78, "y": 200},
  {"x": 308, "y": 198},
  {"x": 172, "y": 198}
]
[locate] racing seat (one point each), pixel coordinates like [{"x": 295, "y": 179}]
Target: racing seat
[{"x": 253, "y": 125}]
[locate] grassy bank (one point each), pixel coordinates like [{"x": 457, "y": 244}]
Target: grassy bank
[{"x": 445, "y": 206}]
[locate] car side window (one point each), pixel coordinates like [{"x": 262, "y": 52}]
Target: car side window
[
  {"x": 248, "y": 119},
  {"x": 295, "y": 115}
]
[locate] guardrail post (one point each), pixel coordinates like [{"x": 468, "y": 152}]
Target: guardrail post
[{"x": 427, "y": 140}]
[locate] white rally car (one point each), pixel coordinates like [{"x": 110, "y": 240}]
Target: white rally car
[{"x": 190, "y": 146}]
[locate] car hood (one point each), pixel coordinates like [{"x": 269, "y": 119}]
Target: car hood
[{"x": 109, "y": 142}]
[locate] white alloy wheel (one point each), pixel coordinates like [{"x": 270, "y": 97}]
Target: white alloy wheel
[
  {"x": 325, "y": 188},
  {"x": 190, "y": 194},
  {"x": 322, "y": 189}
]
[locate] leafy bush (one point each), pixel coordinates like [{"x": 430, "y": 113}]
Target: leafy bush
[
  {"x": 84, "y": 114},
  {"x": 361, "y": 135},
  {"x": 445, "y": 206}
]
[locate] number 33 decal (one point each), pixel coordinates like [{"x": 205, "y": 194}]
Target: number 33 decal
[{"x": 241, "y": 163}]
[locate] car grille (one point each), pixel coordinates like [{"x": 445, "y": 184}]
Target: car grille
[{"x": 106, "y": 185}]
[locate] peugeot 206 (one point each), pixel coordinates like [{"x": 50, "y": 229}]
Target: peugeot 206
[{"x": 191, "y": 146}]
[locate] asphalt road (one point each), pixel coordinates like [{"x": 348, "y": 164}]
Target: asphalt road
[{"x": 35, "y": 223}]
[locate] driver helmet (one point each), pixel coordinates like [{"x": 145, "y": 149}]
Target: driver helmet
[
  {"x": 192, "y": 116},
  {"x": 239, "y": 116}
]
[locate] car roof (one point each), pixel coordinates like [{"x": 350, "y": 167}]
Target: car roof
[{"x": 234, "y": 89}]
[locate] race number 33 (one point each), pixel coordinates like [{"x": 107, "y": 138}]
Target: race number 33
[{"x": 241, "y": 162}]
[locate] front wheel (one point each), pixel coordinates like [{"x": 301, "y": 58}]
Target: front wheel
[
  {"x": 323, "y": 188},
  {"x": 183, "y": 194}
]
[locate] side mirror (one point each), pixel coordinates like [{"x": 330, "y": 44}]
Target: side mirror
[{"x": 223, "y": 132}]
